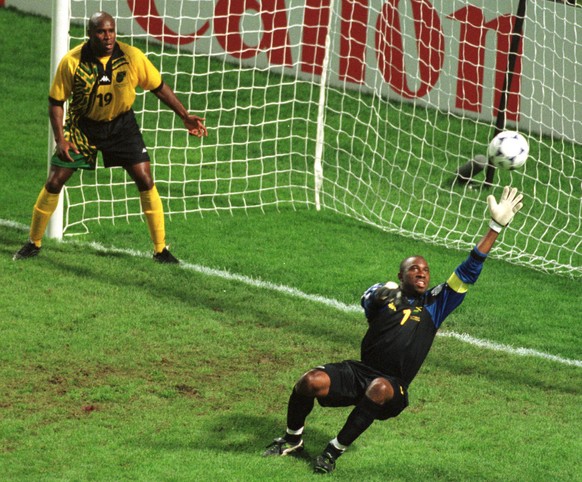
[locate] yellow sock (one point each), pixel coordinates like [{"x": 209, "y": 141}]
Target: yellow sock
[
  {"x": 45, "y": 206},
  {"x": 151, "y": 205}
]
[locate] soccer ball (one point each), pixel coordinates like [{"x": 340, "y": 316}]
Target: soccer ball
[{"x": 508, "y": 150}]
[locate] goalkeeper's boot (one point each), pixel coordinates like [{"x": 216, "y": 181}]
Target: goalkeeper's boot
[
  {"x": 29, "y": 250},
  {"x": 165, "y": 257},
  {"x": 280, "y": 446},
  {"x": 324, "y": 464}
]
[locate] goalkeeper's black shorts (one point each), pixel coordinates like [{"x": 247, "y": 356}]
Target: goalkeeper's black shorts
[
  {"x": 119, "y": 140},
  {"x": 349, "y": 381}
]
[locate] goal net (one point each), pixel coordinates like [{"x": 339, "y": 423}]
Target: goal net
[{"x": 364, "y": 107}]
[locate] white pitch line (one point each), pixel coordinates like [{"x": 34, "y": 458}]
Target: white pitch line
[
  {"x": 490, "y": 345},
  {"x": 338, "y": 305}
]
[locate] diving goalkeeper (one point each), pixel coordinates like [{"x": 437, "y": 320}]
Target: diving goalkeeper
[
  {"x": 99, "y": 79},
  {"x": 403, "y": 321}
]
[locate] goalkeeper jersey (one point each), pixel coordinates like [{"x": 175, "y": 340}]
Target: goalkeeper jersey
[
  {"x": 401, "y": 330},
  {"x": 101, "y": 89}
]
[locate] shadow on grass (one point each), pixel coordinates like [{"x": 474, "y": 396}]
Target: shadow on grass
[{"x": 237, "y": 433}]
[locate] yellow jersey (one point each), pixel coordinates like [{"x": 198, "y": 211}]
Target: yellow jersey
[{"x": 102, "y": 88}]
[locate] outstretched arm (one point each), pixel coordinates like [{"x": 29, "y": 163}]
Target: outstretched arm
[
  {"x": 193, "y": 123},
  {"x": 501, "y": 215},
  {"x": 469, "y": 270},
  {"x": 487, "y": 241}
]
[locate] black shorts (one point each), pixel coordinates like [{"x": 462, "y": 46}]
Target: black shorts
[
  {"x": 349, "y": 381},
  {"x": 119, "y": 140}
]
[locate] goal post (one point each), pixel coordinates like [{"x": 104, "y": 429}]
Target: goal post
[
  {"x": 59, "y": 47},
  {"x": 514, "y": 49},
  {"x": 362, "y": 107},
  {"x": 321, "y": 109}
]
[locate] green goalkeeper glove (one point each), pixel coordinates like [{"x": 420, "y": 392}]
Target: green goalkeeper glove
[{"x": 502, "y": 213}]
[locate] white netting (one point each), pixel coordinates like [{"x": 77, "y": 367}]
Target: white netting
[{"x": 411, "y": 89}]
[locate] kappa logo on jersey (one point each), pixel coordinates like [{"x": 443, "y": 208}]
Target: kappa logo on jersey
[
  {"x": 105, "y": 80},
  {"x": 437, "y": 289},
  {"x": 120, "y": 76}
]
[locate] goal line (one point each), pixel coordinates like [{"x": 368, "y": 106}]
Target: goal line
[
  {"x": 364, "y": 107},
  {"x": 296, "y": 293}
]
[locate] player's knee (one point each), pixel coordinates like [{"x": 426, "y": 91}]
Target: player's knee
[
  {"x": 380, "y": 391},
  {"x": 57, "y": 178},
  {"x": 144, "y": 184},
  {"x": 141, "y": 175},
  {"x": 54, "y": 184},
  {"x": 314, "y": 383}
]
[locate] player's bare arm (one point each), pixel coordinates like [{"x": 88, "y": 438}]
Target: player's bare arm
[
  {"x": 502, "y": 213},
  {"x": 56, "y": 116},
  {"x": 193, "y": 123}
]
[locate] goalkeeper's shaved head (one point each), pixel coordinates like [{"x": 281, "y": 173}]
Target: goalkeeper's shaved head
[
  {"x": 414, "y": 275},
  {"x": 407, "y": 262}
]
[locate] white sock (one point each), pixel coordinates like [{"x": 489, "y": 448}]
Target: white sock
[
  {"x": 295, "y": 432},
  {"x": 337, "y": 445}
]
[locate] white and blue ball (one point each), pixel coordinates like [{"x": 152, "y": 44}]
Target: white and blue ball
[{"x": 508, "y": 150}]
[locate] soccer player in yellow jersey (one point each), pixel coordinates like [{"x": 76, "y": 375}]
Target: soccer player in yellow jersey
[{"x": 99, "y": 78}]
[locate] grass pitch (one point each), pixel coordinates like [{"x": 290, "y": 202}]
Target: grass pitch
[{"x": 115, "y": 368}]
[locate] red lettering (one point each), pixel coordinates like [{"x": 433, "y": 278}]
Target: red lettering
[
  {"x": 471, "y": 58},
  {"x": 315, "y": 27},
  {"x": 147, "y": 16},
  {"x": 390, "y": 52},
  {"x": 354, "y": 26},
  {"x": 504, "y": 27},
  {"x": 274, "y": 41},
  {"x": 354, "y": 19}
]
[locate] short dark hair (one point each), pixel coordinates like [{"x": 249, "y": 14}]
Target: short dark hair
[
  {"x": 406, "y": 261},
  {"x": 96, "y": 18}
]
